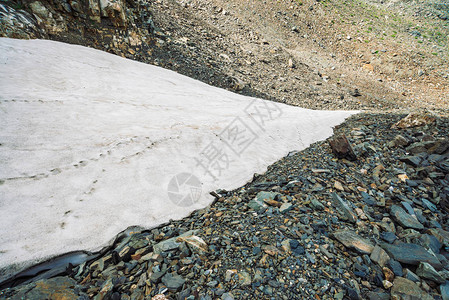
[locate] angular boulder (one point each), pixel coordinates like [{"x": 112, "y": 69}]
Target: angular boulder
[
  {"x": 403, "y": 218},
  {"x": 352, "y": 240},
  {"x": 411, "y": 254},
  {"x": 407, "y": 289}
]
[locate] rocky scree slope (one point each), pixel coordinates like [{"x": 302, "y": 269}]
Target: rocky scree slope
[{"x": 315, "y": 226}]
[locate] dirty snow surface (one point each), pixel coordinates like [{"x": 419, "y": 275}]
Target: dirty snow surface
[{"x": 91, "y": 143}]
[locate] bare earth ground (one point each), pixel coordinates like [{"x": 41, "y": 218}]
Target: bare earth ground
[
  {"x": 335, "y": 47},
  {"x": 309, "y": 53}
]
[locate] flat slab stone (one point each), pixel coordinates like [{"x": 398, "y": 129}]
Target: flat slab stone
[
  {"x": 379, "y": 256},
  {"x": 407, "y": 289},
  {"x": 173, "y": 281},
  {"x": 414, "y": 120},
  {"x": 441, "y": 235},
  {"x": 413, "y": 160},
  {"x": 411, "y": 254},
  {"x": 352, "y": 240},
  {"x": 403, "y": 218},
  {"x": 172, "y": 243},
  {"x": 262, "y": 196},
  {"x": 426, "y": 271},
  {"x": 54, "y": 288}
]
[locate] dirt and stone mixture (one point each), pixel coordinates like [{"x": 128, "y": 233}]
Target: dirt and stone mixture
[{"x": 363, "y": 215}]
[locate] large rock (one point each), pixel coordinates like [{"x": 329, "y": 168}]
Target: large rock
[
  {"x": 440, "y": 147},
  {"x": 426, "y": 271},
  {"x": 341, "y": 148},
  {"x": 420, "y": 147},
  {"x": 403, "y": 218},
  {"x": 429, "y": 242},
  {"x": 267, "y": 196},
  {"x": 414, "y": 120},
  {"x": 94, "y": 10},
  {"x": 399, "y": 140},
  {"x": 195, "y": 243},
  {"x": 256, "y": 204},
  {"x": 40, "y": 11},
  {"x": 47, "y": 19},
  {"x": 351, "y": 240},
  {"x": 379, "y": 256},
  {"x": 413, "y": 160},
  {"x": 172, "y": 243},
  {"x": 115, "y": 11},
  {"x": 411, "y": 254},
  {"x": 173, "y": 282},
  {"x": 55, "y": 288},
  {"x": 441, "y": 235},
  {"x": 407, "y": 289}
]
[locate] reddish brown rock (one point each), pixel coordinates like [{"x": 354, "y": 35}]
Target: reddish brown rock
[{"x": 341, "y": 148}]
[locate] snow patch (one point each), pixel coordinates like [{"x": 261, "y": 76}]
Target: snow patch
[{"x": 91, "y": 143}]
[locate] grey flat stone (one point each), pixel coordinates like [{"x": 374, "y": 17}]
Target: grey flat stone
[
  {"x": 317, "y": 205},
  {"x": 408, "y": 208},
  {"x": 441, "y": 235},
  {"x": 285, "y": 207},
  {"x": 389, "y": 237},
  {"x": 411, "y": 276},
  {"x": 379, "y": 256},
  {"x": 429, "y": 205},
  {"x": 368, "y": 199},
  {"x": 171, "y": 243},
  {"x": 420, "y": 147},
  {"x": 256, "y": 204},
  {"x": 411, "y": 254},
  {"x": 412, "y": 160},
  {"x": 261, "y": 196},
  {"x": 396, "y": 267},
  {"x": 351, "y": 240},
  {"x": 430, "y": 242},
  {"x": 173, "y": 282},
  {"x": 426, "y": 271},
  {"x": 403, "y": 218}
]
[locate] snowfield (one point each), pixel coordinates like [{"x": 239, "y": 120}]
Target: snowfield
[{"x": 91, "y": 143}]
